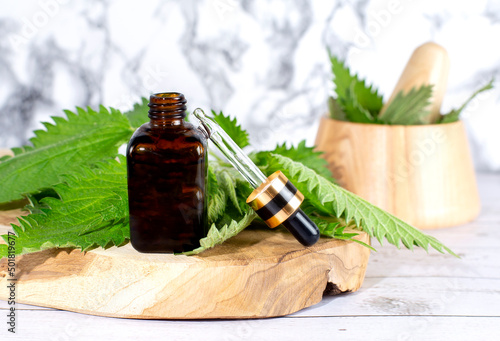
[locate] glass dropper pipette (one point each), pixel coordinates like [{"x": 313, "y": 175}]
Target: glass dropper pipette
[
  {"x": 230, "y": 149},
  {"x": 275, "y": 199}
]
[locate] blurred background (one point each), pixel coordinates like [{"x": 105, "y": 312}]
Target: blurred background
[{"x": 264, "y": 62}]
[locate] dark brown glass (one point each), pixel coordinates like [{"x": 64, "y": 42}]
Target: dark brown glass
[{"x": 166, "y": 162}]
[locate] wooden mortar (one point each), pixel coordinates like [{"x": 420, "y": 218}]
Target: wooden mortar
[{"x": 422, "y": 174}]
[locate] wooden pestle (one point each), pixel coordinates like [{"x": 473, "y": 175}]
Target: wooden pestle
[{"x": 429, "y": 64}]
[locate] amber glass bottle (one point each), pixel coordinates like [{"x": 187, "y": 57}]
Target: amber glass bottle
[{"x": 166, "y": 162}]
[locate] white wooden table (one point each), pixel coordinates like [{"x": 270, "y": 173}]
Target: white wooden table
[{"x": 406, "y": 296}]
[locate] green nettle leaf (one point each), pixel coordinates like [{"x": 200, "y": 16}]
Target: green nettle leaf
[
  {"x": 337, "y": 230},
  {"x": 232, "y": 128},
  {"x": 243, "y": 190},
  {"x": 228, "y": 185},
  {"x": 301, "y": 153},
  {"x": 64, "y": 147},
  {"x": 217, "y": 235},
  {"x": 227, "y": 193},
  {"x": 349, "y": 87},
  {"x": 408, "y": 108},
  {"x": 215, "y": 196},
  {"x": 335, "y": 110},
  {"x": 329, "y": 198},
  {"x": 454, "y": 115},
  {"x": 139, "y": 113},
  {"x": 92, "y": 211},
  {"x": 354, "y": 110}
]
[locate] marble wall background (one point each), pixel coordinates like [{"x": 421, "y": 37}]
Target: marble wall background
[{"x": 262, "y": 61}]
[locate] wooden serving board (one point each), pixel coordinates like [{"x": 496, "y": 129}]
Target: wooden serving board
[{"x": 258, "y": 273}]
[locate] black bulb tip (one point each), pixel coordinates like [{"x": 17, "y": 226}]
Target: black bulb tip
[{"x": 302, "y": 228}]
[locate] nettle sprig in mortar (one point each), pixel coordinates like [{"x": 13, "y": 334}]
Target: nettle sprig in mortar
[
  {"x": 76, "y": 185},
  {"x": 359, "y": 102}
]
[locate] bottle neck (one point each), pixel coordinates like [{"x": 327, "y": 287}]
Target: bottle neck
[{"x": 167, "y": 109}]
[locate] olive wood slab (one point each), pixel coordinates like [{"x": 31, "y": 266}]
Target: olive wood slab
[{"x": 259, "y": 273}]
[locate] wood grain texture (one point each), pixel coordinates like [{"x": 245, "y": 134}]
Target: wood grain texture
[
  {"x": 421, "y": 174},
  {"x": 259, "y": 273}
]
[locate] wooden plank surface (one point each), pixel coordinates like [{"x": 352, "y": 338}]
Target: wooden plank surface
[
  {"x": 406, "y": 296},
  {"x": 49, "y": 326}
]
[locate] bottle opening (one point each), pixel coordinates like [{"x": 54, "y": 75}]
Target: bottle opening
[
  {"x": 168, "y": 95},
  {"x": 166, "y": 105}
]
